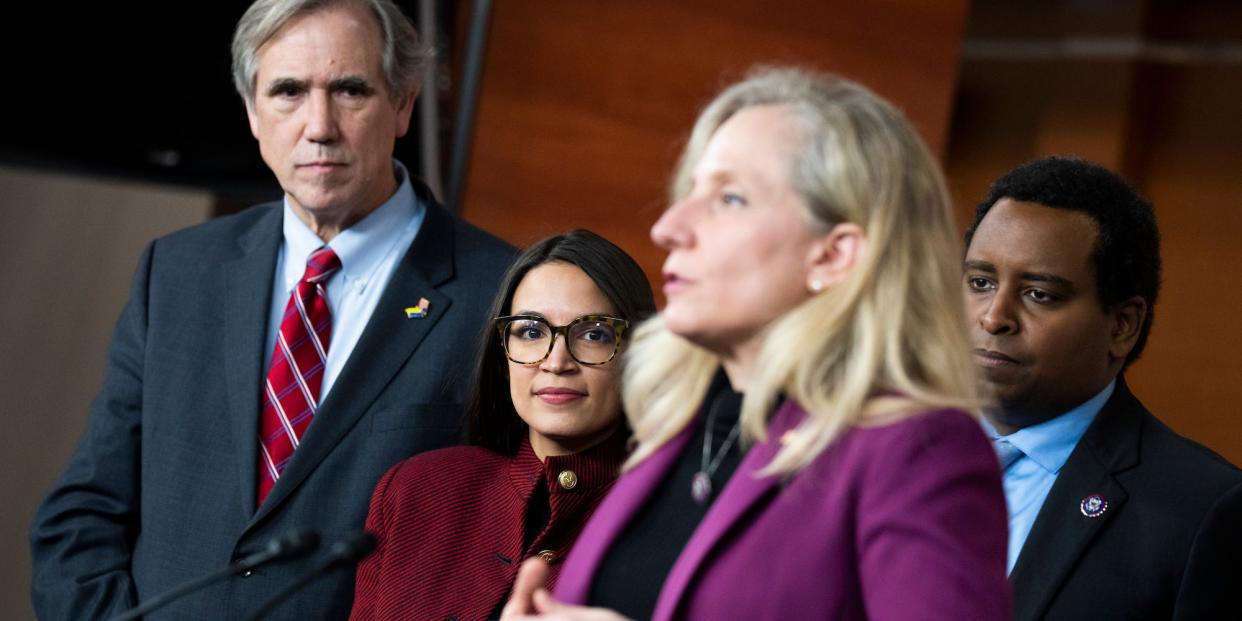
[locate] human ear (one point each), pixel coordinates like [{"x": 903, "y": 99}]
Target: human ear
[
  {"x": 253, "y": 119},
  {"x": 833, "y": 255},
  {"x": 1127, "y": 323},
  {"x": 404, "y": 108}
]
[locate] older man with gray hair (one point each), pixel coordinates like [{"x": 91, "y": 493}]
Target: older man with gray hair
[{"x": 271, "y": 365}]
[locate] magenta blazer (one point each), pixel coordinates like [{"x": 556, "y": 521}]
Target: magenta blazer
[{"x": 902, "y": 521}]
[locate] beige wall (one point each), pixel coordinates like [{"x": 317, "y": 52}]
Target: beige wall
[{"x": 68, "y": 246}]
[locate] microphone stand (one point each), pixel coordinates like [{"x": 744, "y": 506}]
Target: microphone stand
[
  {"x": 287, "y": 546},
  {"x": 344, "y": 553}
]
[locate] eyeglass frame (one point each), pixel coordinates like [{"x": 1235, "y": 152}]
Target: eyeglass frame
[{"x": 619, "y": 326}]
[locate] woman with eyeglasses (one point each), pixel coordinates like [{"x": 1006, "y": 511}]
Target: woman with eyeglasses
[
  {"x": 802, "y": 405},
  {"x": 547, "y": 438}
]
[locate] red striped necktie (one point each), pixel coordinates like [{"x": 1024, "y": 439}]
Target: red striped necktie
[{"x": 291, "y": 392}]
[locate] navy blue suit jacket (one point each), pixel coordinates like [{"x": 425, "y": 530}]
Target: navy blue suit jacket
[
  {"x": 161, "y": 488},
  {"x": 1164, "y": 547}
]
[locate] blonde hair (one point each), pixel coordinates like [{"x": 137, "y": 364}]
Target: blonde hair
[{"x": 887, "y": 342}]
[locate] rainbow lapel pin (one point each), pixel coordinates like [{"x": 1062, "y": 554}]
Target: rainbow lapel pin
[{"x": 418, "y": 312}]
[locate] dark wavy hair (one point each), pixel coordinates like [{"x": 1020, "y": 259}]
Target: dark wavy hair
[
  {"x": 1126, "y": 257},
  {"x": 491, "y": 420}
]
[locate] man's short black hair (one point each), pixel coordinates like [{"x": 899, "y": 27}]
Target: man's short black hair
[{"x": 1126, "y": 257}]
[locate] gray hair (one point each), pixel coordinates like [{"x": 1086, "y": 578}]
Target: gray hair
[{"x": 403, "y": 55}]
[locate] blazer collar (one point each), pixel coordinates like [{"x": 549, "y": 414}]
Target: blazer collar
[
  {"x": 627, "y": 497},
  {"x": 387, "y": 343},
  {"x": 744, "y": 489},
  {"x": 1063, "y": 529},
  {"x": 247, "y": 282},
  {"x": 593, "y": 470},
  {"x": 634, "y": 488}
]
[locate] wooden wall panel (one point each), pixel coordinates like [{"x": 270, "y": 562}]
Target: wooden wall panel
[
  {"x": 1172, "y": 130},
  {"x": 585, "y": 104},
  {"x": 1188, "y": 145}
]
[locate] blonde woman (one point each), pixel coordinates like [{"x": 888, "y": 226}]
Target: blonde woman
[{"x": 801, "y": 404}]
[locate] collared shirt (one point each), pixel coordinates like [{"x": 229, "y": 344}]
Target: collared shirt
[
  {"x": 369, "y": 252},
  {"x": 1045, "y": 449}
]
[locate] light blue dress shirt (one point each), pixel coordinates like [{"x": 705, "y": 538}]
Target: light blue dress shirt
[
  {"x": 1045, "y": 448},
  {"x": 369, "y": 251}
]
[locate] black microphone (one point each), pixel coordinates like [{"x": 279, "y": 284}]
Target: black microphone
[
  {"x": 289, "y": 545},
  {"x": 344, "y": 553}
]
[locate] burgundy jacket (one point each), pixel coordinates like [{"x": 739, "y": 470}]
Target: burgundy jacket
[
  {"x": 449, "y": 526},
  {"x": 895, "y": 522}
]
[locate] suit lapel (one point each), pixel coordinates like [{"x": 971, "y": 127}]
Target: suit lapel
[
  {"x": 248, "y": 291},
  {"x": 1062, "y": 531},
  {"x": 386, "y": 344},
  {"x": 742, "y": 492},
  {"x": 614, "y": 514}
]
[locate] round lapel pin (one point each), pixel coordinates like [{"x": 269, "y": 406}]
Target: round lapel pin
[{"x": 1093, "y": 506}]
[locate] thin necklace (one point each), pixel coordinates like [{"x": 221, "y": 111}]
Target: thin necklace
[{"x": 701, "y": 483}]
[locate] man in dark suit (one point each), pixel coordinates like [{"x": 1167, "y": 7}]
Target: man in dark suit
[
  {"x": 1112, "y": 515},
  {"x": 271, "y": 366}
]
